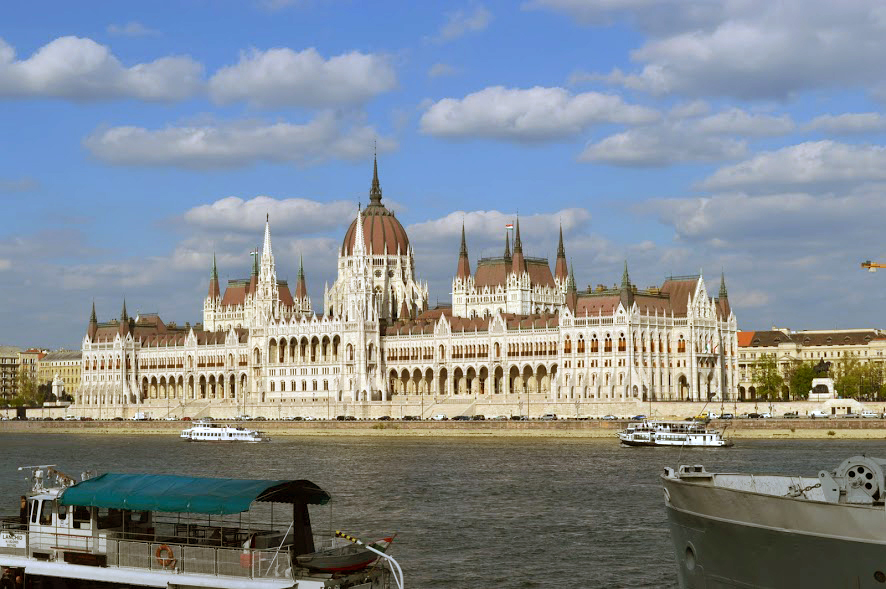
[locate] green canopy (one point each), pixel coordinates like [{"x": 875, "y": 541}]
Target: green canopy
[{"x": 177, "y": 494}]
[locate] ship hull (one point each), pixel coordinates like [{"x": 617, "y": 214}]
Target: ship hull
[{"x": 720, "y": 540}]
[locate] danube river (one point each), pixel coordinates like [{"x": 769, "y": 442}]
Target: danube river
[{"x": 507, "y": 513}]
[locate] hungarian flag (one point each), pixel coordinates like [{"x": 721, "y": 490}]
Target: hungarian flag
[{"x": 509, "y": 226}]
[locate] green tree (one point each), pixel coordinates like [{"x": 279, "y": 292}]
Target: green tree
[
  {"x": 799, "y": 377},
  {"x": 871, "y": 380},
  {"x": 847, "y": 373},
  {"x": 767, "y": 377},
  {"x": 27, "y": 388}
]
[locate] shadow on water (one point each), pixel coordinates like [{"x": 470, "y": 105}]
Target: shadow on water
[{"x": 503, "y": 513}]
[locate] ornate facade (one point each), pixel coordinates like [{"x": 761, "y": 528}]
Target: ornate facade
[{"x": 514, "y": 328}]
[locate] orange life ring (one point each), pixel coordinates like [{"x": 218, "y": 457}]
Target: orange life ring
[{"x": 165, "y": 556}]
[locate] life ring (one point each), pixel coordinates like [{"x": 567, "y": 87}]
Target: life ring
[{"x": 165, "y": 556}]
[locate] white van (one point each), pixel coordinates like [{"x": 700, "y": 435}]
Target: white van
[
  {"x": 440, "y": 417},
  {"x": 869, "y": 413}
]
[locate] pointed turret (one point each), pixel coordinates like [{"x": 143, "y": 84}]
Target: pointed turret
[
  {"x": 507, "y": 255},
  {"x": 124, "y": 320},
  {"x": 560, "y": 270},
  {"x": 214, "y": 290},
  {"x": 723, "y": 294},
  {"x": 627, "y": 291},
  {"x": 404, "y": 311},
  {"x": 518, "y": 264},
  {"x": 375, "y": 190},
  {"x": 723, "y": 300},
  {"x": 301, "y": 287},
  {"x": 253, "y": 279},
  {"x": 266, "y": 246},
  {"x": 464, "y": 264},
  {"x": 571, "y": 290},
  {"x": 93, "y": 324}
]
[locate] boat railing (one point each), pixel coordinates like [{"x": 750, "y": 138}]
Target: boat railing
[{"x": 156, "y": 555}]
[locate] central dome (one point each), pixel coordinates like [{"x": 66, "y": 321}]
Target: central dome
[{"x": 382, "y": 232}]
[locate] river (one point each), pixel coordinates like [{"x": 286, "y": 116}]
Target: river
[{"x": 503, "y": 513}]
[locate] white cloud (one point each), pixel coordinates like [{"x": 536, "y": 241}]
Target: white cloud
[
  {"x": 287, "y": 216},
  {"x": 438, "y": 70},
  {"x": 236, "y": 144},
  {"x": 749, "y": 49},
  {"x": 661, "y": 146},
  {"x": 736, "y": 121},
  {"x": 132, "y": 29},
  {"x": 817, "y": 165},
  {"x": 283, "y": 77},
  {"x": 460, "y": 23},
  {"x": 80, "y": 69},
  {"x": 490, "y": 225},
  {"x": 534, "y": 114},
  {"x": 847, "y": 123}
]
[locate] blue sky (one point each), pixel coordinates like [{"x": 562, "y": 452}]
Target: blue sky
[{"x": 741, "y": 136}]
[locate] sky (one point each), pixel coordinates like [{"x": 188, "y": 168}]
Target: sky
[{"x": 742, "y": 137}]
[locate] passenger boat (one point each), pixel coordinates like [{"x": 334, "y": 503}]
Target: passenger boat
[
  {"x": 147, "y": 530},
  {"x": 777, "y": 530},
  {"x": 692, "y": 434},
  {"x": 211, "y": 432}
]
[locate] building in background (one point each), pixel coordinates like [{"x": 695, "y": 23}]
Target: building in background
[
  {"x": 9, "y": 363},
  {"x": 64, "y": 363},
  {"x": 789, "y": 347},
  {"x": 514, "y": 328}
]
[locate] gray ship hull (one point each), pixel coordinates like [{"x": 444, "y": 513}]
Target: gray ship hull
[{"x": 732, "y": 538}]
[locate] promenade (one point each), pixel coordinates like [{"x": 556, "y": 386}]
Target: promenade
[{"x": 832, "y": 428}]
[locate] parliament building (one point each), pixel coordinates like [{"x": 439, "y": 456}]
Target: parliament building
[{"x": 514, "y": 328}]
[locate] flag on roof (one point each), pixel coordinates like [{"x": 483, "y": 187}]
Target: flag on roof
[{"x": 509, "y": 226}]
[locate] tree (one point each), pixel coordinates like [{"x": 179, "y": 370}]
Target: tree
[
  {"x": 847, "y": 375},
  {"x": 27, "y": 388},
  {"x": 767, "y": 377},
  {"x": 799, "y": 376}
]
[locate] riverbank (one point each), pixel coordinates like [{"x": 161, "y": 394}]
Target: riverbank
[{"x": 800, "y": 429}]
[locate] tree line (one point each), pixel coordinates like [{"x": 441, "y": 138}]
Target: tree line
[
  {"x": 30, "y": 393},
  {"x": 853, "y": 379}
]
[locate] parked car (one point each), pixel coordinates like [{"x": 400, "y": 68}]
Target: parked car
[
  {"x": 851, "y": 415},
  {"x": 727, "y": 416},
  {"x": 461, "y": 418},
  {"x": 765, "y": 415},
  {"x": 440, "y": 417},
  {"x": 791, "y": 415},
  {"x": 118, "y": 418},
  {"x": 754, "y": 416},
  {"x": 869, "y": 413},
  {"x": 411, "y": 418},
  {"x": 818, "y": 413},
  {"x": 609, "y": 417},
  {"x": 640, "y": 417},
  {"x": 185, "y": 418},
  {"x": 384, "y": 418},
  {"x": 549, "y": 417},
  {"x": 519, "y": 418},
  {"x": 478, "y": 417}
]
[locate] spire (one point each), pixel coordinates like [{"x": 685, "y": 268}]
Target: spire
[
  {"x": 301, "y": 287},
  {"x": 507, "y": 255},
  {"x": 464, "y": 265},
  {"x": 214, "y": 290},
  {"x": 627, "y": 292},
  {"x": 518, "y": 264},
  {"x": 723, "y": 294},
  {"x": 570, "y": 280},
  {"x": 123, "y": 329},
  {"x": 571, "y": 290},
  {"x": 375, "y": 191},
  {"x": 123, "y": 315},
  {"x": 93, "y": 324},
  {"x": 253, "y": 280},
  {"x": 266, "y": 247},
  {"x": 359, "y": 243},
  {"x": 560, "y": 270}
]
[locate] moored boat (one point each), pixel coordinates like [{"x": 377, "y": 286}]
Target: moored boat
[
  {"x": 125, "y": 530},
  {"x": 690, "y": 434},
  {"x": 773, "y": 530},
  {"x": 211, "y": 432}
]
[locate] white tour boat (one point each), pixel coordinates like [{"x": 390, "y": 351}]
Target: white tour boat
[
  {"x": 117, "y": 531},
  {"x": 691, "y": 434},
  {"x": 211, "y": 432}
]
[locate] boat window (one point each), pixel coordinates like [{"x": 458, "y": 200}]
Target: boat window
[
  {"x": 46, "y": 513},
  {"x": 35, "y": 509},
  {"x": 62, "y": 513},
  {"x": 81, "y": 516}
]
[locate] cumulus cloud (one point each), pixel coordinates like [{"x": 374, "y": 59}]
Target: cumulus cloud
[
  {"x": 283, "y": 77},
  {"x": 289, "y": 215},
  {"x": 534, "y": 114},
  {"x": 460, "y": 23},
  {"x": 735, "y": 121},
  {"x": 751, "y": 49},
  {"x": 132, "y": 29},
  {"x": 80, "y": 69},
  {"x": 236, "y": 144},
  {"x": 849, "y": 123},
  {"x": 661, "y": 146},
  {"x": 490, "y": 225},
  {"x": 816, "y": 165}
]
